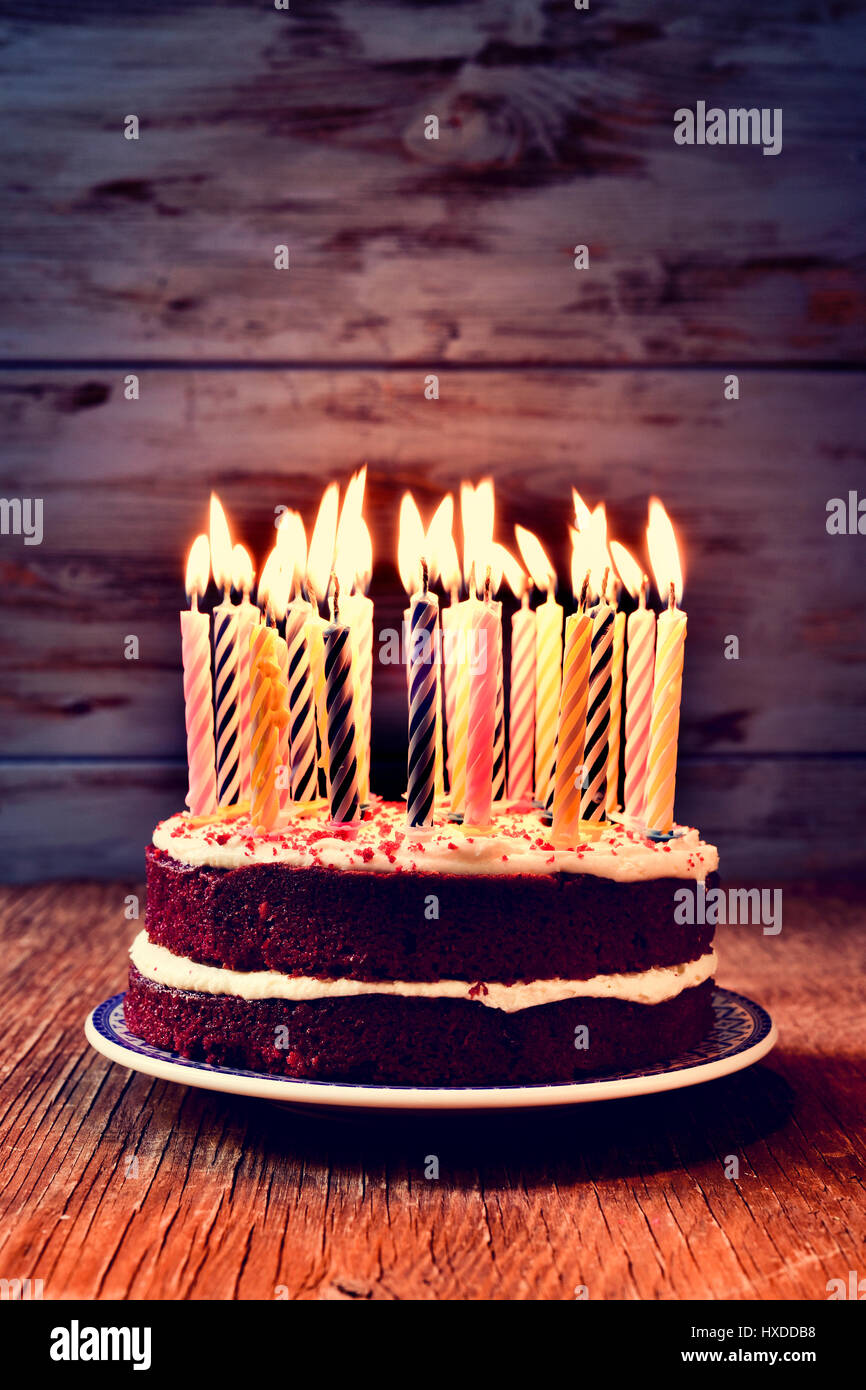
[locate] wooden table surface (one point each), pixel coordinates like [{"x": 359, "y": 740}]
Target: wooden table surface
[{"x": 114, "y": 1185}]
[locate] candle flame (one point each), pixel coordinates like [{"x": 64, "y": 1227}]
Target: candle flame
[
  {"x": 535, "y": 559},
  {"x": 440, "y": 548},
  {"x": 627, "y": 568},
  {"x": 353, "y": 548},
  {"x": 198, "y": 567},
  {"x": 410, "y": 544},
  {"x": 477, "y": 514},
  {"x": 595, "y": 551},
  {"x": 220, "y": 544},
  {"x": 243, "y": 572},
  {"x": 582, "y": 514},
  {"x": 320, "y": 559},
  {"x": 275, "y": 582},
  {"x": 364, "y": 570},
  {"x": 663, "y": 551},
  {"x": 292, "y": 545},
  {"x": 504, "y": 565}
]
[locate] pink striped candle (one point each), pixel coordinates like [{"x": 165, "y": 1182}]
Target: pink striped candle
[
  {"x": 198, "y": 687},
  {"x": 483, "y": 660}
]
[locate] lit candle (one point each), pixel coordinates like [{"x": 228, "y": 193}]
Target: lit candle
[
  {"x": 668, "y": 676},
  {"x": 598, "y": 714},
  {"x": 197, "y": 686},
  {"x": 641, "y": 639},
  {"x": 226, "y": 682},
  {"x": 548, "y": 661},
  {"x": 320, "y": 559},
  {"x": 273, "y": 593},
  {"x": 354, "y": 564},
  {"x": 268, "y": 717},
  {"x": 486, "y": 624},
  {"x": 521, "y": 721},
  {"x": 302, "y": 704},
  {"x": 615, "y": 723},
  {"x": 499, "y": 722},
  {"x": 340, "y": 698},
  {"x": 423, "y": 691},
  {"x": 571, "y": 729},
  {"x": 248, "y": 618}
]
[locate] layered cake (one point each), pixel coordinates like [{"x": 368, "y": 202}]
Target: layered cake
[{"x": 377, "y": 953}]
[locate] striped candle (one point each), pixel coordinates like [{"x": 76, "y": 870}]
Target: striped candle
[
  {"x": 450, "y": 639},
  {"x": 460, "y": 632},
  {"x": 483, "y": 669},
  {"x": 423, "y": 691},
  {"x": 302, "y": 705},
  {"x": 315, "y": 630},
  {"x": 343, "y": 795},
  {"x": 198, "y": 701},
  {"x": 571, "y": 729},
  {"x": 499, "y": 728},
  {"x": 521, "y": 722},
  {"x": 615, "y": 726},
  {"x": 227, "y": 690},
  {"x": 598, "y": 715},
  {"x": 548, "y": 678},
  {"x": 439, "y": 771},
  {"x": 665, "y": 723},
  {"x": 284, "y": 773},
  {"x": 357, "y": 611},
  {"x": 248, "y": 618},
  {"x": 641, "y": 633},
  {"x": 268, "y": 716}
]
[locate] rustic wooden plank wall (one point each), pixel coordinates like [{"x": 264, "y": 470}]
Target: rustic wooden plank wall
[{"x": 411, "y": 256}]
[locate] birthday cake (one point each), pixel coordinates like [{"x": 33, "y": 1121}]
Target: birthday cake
[{"x": 382, "y": 954}]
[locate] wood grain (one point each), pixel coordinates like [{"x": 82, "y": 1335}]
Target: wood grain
[
  {"x": 116, "y": 1186},
  {"x": 773, "y": 819},
  {"x": 306, "y": 128}
]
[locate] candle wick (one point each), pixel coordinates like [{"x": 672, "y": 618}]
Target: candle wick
[
  {"x": 487, "y": 586},
  {"x": 644, "y": 587},
  {"x": 425, "y": 574},
  {"x": 604, "y": 583},
  {"x": 193, "y": 602},
  {"x": 583, "y": 591},
  {"x": 672, "y": 597},
  {"x": 472, "y": 589},
  {"x": 524, "y": 601},
  {"x": 336, "y": 584}
]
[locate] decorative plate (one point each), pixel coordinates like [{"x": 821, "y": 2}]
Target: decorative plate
[{"x": 743, "y": 1033}]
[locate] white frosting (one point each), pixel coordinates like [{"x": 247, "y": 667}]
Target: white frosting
[
  {"x": 644, "y": 987},
  {"x": 517, "y": 844}
]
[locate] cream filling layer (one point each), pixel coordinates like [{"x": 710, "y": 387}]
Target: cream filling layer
[{"x": 654, "y": 986}]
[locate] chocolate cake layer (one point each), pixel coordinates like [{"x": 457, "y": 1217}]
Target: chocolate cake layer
[
  {"x": 376, "y": 926},
  {"x": 417, "y": 1042}
]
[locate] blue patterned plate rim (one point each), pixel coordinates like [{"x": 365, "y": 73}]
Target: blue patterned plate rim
[{"x": 742, "y": 1033}]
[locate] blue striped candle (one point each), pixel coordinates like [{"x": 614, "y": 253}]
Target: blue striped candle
[
  {"x": 340, "y": 705},
  {"x": 423, "y": 690}
]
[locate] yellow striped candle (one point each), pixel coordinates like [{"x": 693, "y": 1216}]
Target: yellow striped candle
[
  {"x": 571, "y": 729},
  {"x": 268, "y": 717},
  {"x": 460, "y": 633},
  {"x": 665, "y": 724}
]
